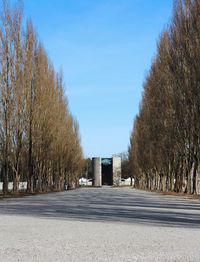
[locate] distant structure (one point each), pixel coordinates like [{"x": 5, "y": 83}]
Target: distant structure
[{"x": 106, "y": 171}]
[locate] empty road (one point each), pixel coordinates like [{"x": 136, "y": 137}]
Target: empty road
[{"x": 102, "y": 224}]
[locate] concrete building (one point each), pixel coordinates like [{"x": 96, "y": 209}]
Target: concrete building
[{"x": 106, "y": 171}]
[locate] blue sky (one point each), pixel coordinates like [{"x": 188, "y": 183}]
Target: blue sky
[{"x": 105, "y": 48}]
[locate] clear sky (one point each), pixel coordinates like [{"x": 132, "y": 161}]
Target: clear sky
[{"x": 105, "y": 48}]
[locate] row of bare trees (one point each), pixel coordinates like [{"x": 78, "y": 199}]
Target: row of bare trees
[
  {"x": 164, "y": 151},
  {"x": 39, "y": 139}
]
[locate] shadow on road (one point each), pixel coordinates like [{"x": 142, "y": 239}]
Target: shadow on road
[{"x": 108, "y": 205}]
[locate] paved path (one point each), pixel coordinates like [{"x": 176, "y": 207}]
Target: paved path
[{"x": 108, "y": 224}]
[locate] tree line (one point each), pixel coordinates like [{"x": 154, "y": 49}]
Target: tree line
[
  {"x": 39, "y": 138},
  {"x": 164, "y": 151}
]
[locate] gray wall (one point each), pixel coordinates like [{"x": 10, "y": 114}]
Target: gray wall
[
  {"x": 96, "y": 170},
  {"x": 116, "y": 162}
]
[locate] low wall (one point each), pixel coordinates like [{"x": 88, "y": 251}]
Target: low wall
[
  {"x": 127, "y": 182},
  {"x": 22, "y": 186},
  {"x": 88, "y": 182},
  {"x": 85, "y": 182}
]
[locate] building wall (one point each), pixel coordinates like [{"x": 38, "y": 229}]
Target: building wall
[
  {"x": 116, "y": 162},
  {"x": 96, "y": 170}
]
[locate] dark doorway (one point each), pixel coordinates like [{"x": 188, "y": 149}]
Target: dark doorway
[{"x": 106, "y": 169}]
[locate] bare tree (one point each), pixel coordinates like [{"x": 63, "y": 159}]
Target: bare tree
[
  {"x": 39, "y": 138},
  {"x": 164, "y": 145}
]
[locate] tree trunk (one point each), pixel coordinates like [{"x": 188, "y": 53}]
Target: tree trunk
[
  {"x": 194, "y": 191},
  {"x": 5, "y": 178},
  {"x": 16, "y": 182}
]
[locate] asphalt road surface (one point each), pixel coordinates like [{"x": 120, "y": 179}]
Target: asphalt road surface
[{"x": 102, "y": 224}]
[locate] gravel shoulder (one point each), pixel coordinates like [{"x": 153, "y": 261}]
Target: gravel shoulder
[{"x": 104, "y": 224}]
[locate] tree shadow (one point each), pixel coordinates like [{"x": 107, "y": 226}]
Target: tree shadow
[{"x": 109, "y": 205}]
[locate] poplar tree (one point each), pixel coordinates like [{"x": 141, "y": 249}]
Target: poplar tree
[
  {"x": 39, "y": 138},
  {"x": 164, "y": 150}
]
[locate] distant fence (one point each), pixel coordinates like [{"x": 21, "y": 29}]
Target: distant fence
[
  {"x": 22, "y": 186},
  {"x": 82, "y": 182},
  {"x": 127, "y": 181},
  {"x": 88, "y": 182},
  {"x": 85, "y": 182}
]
